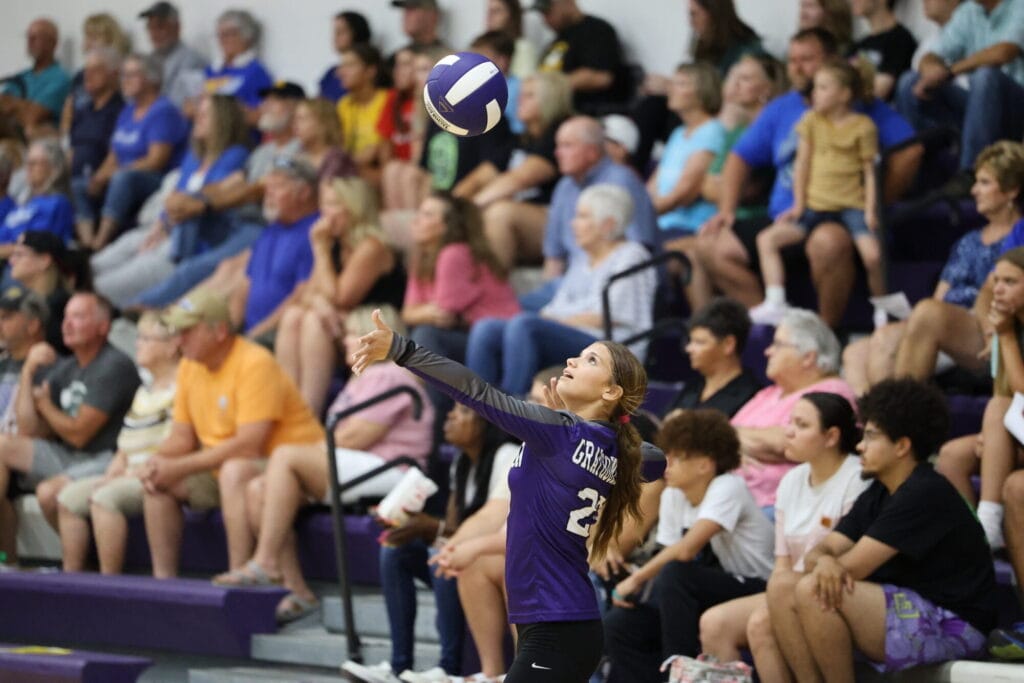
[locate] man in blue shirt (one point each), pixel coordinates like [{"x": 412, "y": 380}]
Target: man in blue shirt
[
  {"x": 37, "y": 94},
  {"x": 726, "y": 248}
]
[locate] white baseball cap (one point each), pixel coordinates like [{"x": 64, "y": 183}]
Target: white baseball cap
[{"x": 621, "y": 129}]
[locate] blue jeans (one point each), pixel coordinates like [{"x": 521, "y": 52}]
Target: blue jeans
[
  {"x": 192, "y": 270},
  {"x": 126, "y": 192},
  {"x": 399, "y": 569},
  {"x": 989, "y": 111},
  {"x": 513, "y": 351},
  {"x": 86, "y": 206}
]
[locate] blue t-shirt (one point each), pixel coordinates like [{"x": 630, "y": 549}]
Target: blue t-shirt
[
  {"x": 161, "y": 124},
  {"x": 771, "y": 140},
  {"x": 244, "y": 81},
  {"x": 970, "y": 262},
  {"x": 6, "y": 206},
  {"x": 709, "y": 137},
  {"x": 1015, "y": 238},
  {"x": 50, "y": 212},
  {"x": 330, "y": 85},
  {"x": 281, "y": 258},
  {"x": 48, "y": 88},
  {"x": 559, "y": 241}
]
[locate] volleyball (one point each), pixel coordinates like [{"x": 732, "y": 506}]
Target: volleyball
[{"x": 465, "y": 94}]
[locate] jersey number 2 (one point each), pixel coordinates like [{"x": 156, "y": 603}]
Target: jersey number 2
[{"x": 594, "y": 501}]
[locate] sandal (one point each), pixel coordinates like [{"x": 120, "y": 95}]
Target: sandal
[
  {"x": 252, "y": 574},
  {"x": 293, "y": 607}
]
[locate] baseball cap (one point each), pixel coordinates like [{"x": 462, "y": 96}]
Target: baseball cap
[
  {"x": 199, "y": 306},
  {"x": 296, "y": 168},
  {"x": 19, "y": 298},
  {"x": 285, "y": 90},
  {"x": 413, "y": 4},
  {"x": 621, "y": 129},
  {"x": 160, "y": 10}
]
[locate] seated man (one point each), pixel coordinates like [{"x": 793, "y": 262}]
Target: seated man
[
  {"x": 984, "y": 41},
  {"x": 23, "y": 319},
  {"x": 234, "y": 405},
  {"x": 37, "y": 94},
  {"x": 906, "y": 577},
  {"x": 182, "y": 66},
  {"x": 69, "y": 409}
]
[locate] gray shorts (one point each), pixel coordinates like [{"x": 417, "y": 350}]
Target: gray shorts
[{"x": 51, "y": 458}]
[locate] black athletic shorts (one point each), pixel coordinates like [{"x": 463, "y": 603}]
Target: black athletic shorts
[{"x": 557, "y": 652}]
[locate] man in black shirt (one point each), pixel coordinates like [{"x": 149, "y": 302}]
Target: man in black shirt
[
  {"x": 587, "y": 50},
  {"x": 906, "y": 577},
  {"x": 889, "y": 46}
]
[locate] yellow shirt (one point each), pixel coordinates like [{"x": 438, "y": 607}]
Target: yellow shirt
[
  {"x": 837, "y": 160},
  {"x": 359, "y": 122},
  {"x": 248, "y": 387}
]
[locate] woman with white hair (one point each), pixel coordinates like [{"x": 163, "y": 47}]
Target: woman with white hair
[
  {"x": 149, "y": 139},
  {"x": 803, "y": 357},
  {"x": 47, "y": 207},
  {"x": 510, "y": 352},
  {"x": 240, "y": 73}
]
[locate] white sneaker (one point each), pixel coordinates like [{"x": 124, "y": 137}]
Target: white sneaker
[
  {"x": 880, "y": 318},
  {"x": 767, "y": 313},
  {"x": 377, "y": 673},
  {"x": 435, "y": 675}
]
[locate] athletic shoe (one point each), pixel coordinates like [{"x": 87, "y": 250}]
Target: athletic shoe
[
  {"x": 1007, "y": 644},
  {"x": 435, "y": 675},
  {"x": 378, "y": 673},
  {"x": 766, "y": 313}
]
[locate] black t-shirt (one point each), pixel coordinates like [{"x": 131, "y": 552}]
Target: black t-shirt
[
  {"x": 543, "y": 147},
  {"x": 890, "y": 51},
  {"x": 91, "y": 130},
  {"x": 729, "y": 399},
  {"x": 449, "y": 158},
  {"x": 591, "y": 43},
  {"x": 942, "y": 552}
]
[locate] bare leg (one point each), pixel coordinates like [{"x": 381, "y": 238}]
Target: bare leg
[
  {"x": 235, "y": 475},
  {"x": 286, "y": 344},
  {"x": 46, "y": 494},
  {"x": 885, "y": 342},
  {"x": 727, "y": 263},
  {"x": 856, "y": 357},
  {"x": 515, "y": 231},
  {"x": 1013, "y": 523},
  {"x": 8, "y": 519},
  {"x": 106, "y": 231},
  {"x": 291, "y": 570},
  {"x": 110, "y": 529},
  {"x": 482, "y": 593},
  {"x": 770, "y": 243},
  {"x": 999, "y": 451},
  {"x": 830, "y": 253},
  {"x": 86, "y": 232},
  {"x": 768, "y": 659},
  {"x": 958, "y": 461},
  {"x": 723, "y": 628},
  {"x": 164, "y": 524},
  {"x": 74, "y": 539},
  {"x": 317, "y": 361},
  {"x": 789, "y": 632},
  {"x": 933, "y": 326},
  {"x": 871, "y": 256}
]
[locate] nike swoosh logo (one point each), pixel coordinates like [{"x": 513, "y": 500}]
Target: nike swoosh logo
[{"x": 535, "y": 665}]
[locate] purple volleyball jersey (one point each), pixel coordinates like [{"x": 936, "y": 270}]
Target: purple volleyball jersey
[{"x": 559, "y": 481}]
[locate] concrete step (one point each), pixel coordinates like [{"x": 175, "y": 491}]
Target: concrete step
[
  {"x": 372, "y": 619},
  {"x": 314, "y": 646},
  {"x": 261, "y": 675}
]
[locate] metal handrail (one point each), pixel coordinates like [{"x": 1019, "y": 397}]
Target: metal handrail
[
  {"x": 340, "y": 552},
  {"x": 654, "y": 262}
]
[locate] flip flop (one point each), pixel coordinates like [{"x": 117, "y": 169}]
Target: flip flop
[
  {"x": 293, "y": 607},
  {"x": 252, "y": 574}
]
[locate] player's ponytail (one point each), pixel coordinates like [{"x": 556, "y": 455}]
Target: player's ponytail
[{"x": 624, "y": 498}]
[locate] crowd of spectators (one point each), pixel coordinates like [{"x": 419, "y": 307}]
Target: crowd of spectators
[{"x": 250, "y": 228}]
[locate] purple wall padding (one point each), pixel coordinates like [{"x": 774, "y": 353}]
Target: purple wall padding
[{"x": 17, "y": 664}]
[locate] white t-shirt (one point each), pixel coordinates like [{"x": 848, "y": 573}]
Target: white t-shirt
[
  {"x": 743, "y": 546},
  {"x": 497, "y": 486},
  {"x": 805, "y": 514}
]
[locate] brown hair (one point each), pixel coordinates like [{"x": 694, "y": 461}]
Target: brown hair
[
  {"x": 1001, "y": 384},
  {"x": 464, "y": 224},
  {"x": 838, "y": 21},
  {"x": 702, "y": 432},
  {"x": 110, "y": 32},
  {"x": 857, "y": 78},
  {"x": 624, "y": 497},
  {"x": 707, "y": 82},
  {"x": 1005, "y": 159},
  {"x": 228, "y": 127},
  {"x": 326, "y": 116},
  {"x": 727, "y": 31}
]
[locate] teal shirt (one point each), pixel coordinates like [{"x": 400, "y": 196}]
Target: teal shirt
[
  {"x": 971, "y": 30},
  {"x": 48, "y": 88}
]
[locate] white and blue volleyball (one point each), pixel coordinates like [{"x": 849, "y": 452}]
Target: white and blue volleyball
[{"x": 465, "y": 94}]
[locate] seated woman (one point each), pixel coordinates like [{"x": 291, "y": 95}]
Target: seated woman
[
  {"x": 240, "y": 73},
  {"x": 718, "y": 333},
  {"x": 997, "y": 191},
  {"x": 515, "y": 199},
  {"x": 319, "y": 134},
  {"x": 397, "y": 120},
  {"x": 107, "y": 501},
  {"x": 352, "y": 265},
  {"x": 47, "y": 207},
  {"x": 146, "y": 256},
  {"x": 298, "y": 474},
  {"x": 349, "y": 28},
  {"x": 803, "y": 357},
  {"x": 359, "y": 110},
  {"x": 507, "y": 16},
  {"x": 42, "y": 263},
  {"x": 509, "y": 352},
  {"x": 821, "y": 435},
  {"x": 149, "y": 139},
  {"x": 995, "y": 452},
  {"x": 479, "y": 474}
]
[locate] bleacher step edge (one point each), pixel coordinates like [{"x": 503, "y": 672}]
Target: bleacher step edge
[
  {"x": 372, "y": 619},
  {"x": 247, "y": 675},
  {"x": 317, "y": 647}
]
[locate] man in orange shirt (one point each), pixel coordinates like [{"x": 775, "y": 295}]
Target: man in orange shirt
[{"x": 234, "y": 405}]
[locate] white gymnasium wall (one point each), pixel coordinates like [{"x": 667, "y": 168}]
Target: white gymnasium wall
[{"x": 296, "y": 33}]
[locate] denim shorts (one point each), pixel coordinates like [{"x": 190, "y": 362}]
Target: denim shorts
[{"x": 852, "y": 219}]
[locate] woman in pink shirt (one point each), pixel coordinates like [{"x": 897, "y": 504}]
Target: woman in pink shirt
[{"x": 803, "y": 357}]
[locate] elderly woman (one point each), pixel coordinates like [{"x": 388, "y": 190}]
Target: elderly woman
[
  {"x": 353, "y": 264},
  {"x": 515, "y": 199},
  {"x": 803, "y": 357},
  {"x": 947, "y": 319},
  {"x": 144, "y": 257},
  {"x": 47, "y": 206},
  {"x": 149, "y": 138},
  {"x": 511, "y": 352},
  {"x": 239, "y": 74}
]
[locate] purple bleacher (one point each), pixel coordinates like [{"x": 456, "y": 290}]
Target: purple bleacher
[
  {"x": 28, "y": 664},
  {"x": 965, "y": 414},
  {"x": 916, "y": 279},
  {"x": 753, "y": 357},
  {"x": 133, "y": 611}
]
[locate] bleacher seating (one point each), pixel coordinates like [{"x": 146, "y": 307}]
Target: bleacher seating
[{"x": 23, "y": 664}]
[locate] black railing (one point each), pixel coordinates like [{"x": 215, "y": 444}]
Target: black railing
[
  {"x": 659, "y": 325},
  {"x": 340, "y": 552}
]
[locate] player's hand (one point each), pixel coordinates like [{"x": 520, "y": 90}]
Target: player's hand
[
  {"x": 374, "y": 346},
  {"x": 551, "y": 398},
  {"x": 831, "y": 580}
]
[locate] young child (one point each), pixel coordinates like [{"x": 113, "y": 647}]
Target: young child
[{"x": 833, "y": 181}]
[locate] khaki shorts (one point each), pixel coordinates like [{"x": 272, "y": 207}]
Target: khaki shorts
[
  {"x": 125, "y": 494},
  {"x": 202, "y": 491}
]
